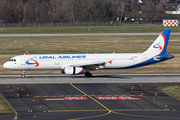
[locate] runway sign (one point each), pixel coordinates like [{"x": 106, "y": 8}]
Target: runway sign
[
  {"x": 116, "y": 98},
  {"x": 170, "y": 22},
  {"x": 68, "y": 98}
]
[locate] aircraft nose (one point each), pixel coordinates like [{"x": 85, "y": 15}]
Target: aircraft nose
[{"x": 6, "y": 65}]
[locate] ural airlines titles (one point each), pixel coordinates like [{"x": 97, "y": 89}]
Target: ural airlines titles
[{"x": 62, "y": 57}]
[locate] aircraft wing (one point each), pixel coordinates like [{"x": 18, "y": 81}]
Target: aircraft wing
[{"x": 92, "y": 65}]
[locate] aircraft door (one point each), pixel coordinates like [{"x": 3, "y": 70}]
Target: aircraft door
[
  {"x": 99, "y": 58},
  {"x": 57, "y": 62},
  {"x": 23, "y": 60},
  {"x": 144, "y": 58}
]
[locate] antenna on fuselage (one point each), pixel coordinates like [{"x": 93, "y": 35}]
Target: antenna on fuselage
[{"x": 27, "y": 52}]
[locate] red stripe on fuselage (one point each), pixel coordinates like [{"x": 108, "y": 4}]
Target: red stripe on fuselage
[{"x": 81, "y": 70}]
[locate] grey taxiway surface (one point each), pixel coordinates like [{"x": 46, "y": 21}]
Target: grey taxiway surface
[
  {"x": 124, "y": 96},
  {"x": 97, "y": 78},
  {"x": 81, "y": 34}
]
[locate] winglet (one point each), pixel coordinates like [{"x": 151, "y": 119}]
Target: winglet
[{"x": 160, "y": 44}]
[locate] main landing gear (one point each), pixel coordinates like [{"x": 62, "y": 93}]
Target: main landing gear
[
  {"x": 88, "y": 74},
  {"x": 23, "y": 74}
]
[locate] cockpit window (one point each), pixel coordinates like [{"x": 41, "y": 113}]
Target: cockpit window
[{"x": 13, "y": 60}]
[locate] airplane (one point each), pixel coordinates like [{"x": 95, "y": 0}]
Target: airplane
[{"x": 74, "y": 64}]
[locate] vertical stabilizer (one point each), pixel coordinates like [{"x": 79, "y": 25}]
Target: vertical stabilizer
[{"x": 160, "y": 44}]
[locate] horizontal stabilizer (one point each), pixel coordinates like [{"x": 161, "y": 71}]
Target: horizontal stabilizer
[{"x": 164, "y": 56}]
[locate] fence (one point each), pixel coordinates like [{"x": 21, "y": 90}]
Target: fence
[{"x": 78, "y": 24}]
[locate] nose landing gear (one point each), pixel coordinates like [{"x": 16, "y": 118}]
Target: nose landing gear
[{"x": 23, "y": 74}]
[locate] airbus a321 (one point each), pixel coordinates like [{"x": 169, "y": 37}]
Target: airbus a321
[{"x": 73, "y": 64}]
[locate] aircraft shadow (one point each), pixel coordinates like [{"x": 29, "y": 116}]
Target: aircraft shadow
[{"x": 77, "y": 76}]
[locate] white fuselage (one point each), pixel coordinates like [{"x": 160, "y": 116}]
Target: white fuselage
[{"x": 59, "y": 61}]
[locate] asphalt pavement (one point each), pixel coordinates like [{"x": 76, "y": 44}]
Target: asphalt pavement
[{"x": 91, "y": 101}]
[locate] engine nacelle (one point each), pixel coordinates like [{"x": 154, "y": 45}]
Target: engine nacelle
[{"x": 73, "y": 70}]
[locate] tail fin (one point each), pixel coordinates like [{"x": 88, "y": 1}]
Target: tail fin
[{"x": 160, "y": 44}]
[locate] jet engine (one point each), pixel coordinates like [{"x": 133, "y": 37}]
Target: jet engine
[{"x": 73, "y": 70}]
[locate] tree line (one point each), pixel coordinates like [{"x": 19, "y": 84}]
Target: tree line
[
  {"x": 45, "y": 11},
  {"x": 50, "y": 11}
]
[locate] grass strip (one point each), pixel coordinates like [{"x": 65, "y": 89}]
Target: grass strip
[
  {"x": 88, "y": 44},
  {"x": 4, "y": 107},
  {"x": 172, "y": 90}
]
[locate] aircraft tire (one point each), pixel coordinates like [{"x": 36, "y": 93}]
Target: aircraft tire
[
  {"x": 23, "y": 76},
  {"x": 87, "y": 74}
]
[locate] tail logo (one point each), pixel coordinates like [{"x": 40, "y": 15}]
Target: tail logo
[
  {"x": 32, "y": 61},
  {"x": 158, "y": 46}
]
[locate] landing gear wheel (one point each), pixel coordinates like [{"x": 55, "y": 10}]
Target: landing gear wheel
[
  {"x": 87, "y": 74},
  {"x": 23, "y": 74}
]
